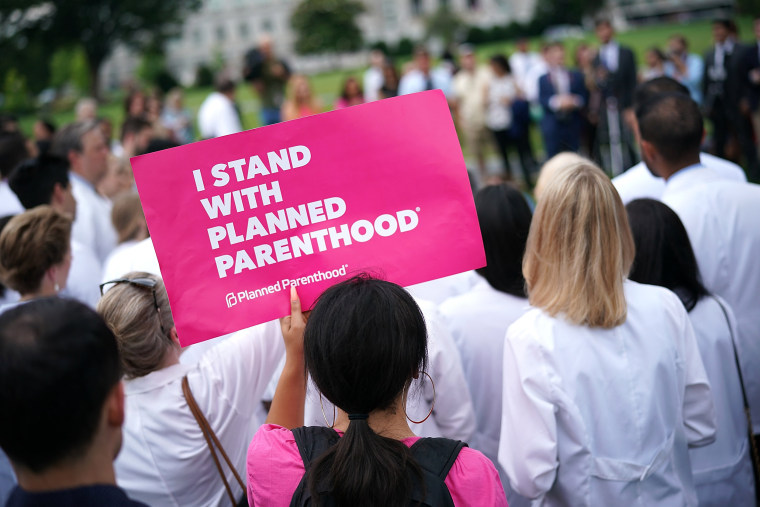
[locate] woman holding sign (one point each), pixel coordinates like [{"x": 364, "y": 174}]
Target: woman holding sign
[
  {"x": 604, "y": 387},
  {"x": 171, "y": 408},
  {"x": 364, "y": 343}
]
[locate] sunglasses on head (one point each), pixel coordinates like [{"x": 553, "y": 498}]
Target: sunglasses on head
[{"x": 146, "y": 283}]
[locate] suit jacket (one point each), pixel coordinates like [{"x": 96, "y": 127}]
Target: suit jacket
[
  {"x": 552, "y": 119},
  {"x": 750, "y": 61},
  {"x": 726, "y": 91},
  {"x": 621, "y": 83}
]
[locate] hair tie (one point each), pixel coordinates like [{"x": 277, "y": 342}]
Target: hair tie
[{"x": 355, "y": 417}]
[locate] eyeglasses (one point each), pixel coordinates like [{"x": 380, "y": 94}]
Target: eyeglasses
[{"x": 146, "y": 283}]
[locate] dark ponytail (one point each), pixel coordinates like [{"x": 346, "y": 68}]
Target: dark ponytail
[{"x": 364, "y": 342}]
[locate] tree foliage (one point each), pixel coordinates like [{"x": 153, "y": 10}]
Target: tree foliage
[
  {"x": 98, "y": 26},
  {"x": 445, "y": 25},
  {"x": 325, "y": 26},
  {"x": 565, "y": 12}
]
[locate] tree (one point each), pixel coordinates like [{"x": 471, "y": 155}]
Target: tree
[
  {"x": 97, "y": 25},
  {"x": 564, "y": 12},
  {"x": 445, "y": 25},
  {"x": 324, "y": 26}
]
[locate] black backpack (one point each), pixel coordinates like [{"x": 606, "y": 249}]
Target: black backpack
[{"x": 435, "y": 456}]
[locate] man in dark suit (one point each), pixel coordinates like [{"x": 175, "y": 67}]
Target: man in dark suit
[
  {"x": 562, "y": 93},
  {"x": 749, "y": 78},
  {"x": 616, "y": 77}
]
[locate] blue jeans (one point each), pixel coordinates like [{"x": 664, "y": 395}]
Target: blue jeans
[{"x": 270, "y": 116}]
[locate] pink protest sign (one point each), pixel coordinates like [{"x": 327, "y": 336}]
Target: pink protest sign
[{"x": 236, "y": 221}]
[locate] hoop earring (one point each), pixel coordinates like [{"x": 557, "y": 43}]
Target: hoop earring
[
  {"x": 431, "y": 407},
  {"x": 323, "y": 413}
]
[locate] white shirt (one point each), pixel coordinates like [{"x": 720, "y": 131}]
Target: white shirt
[
  {"x": 415, "y": 81},
  {"x": 499, "y": 113},
  {"x": 164, "y": 459},
  {"x": 722, "y": 470},
  {"x": 92, "y": 226},
  {"x": 596, "y": 416},
  {"x": 721, "y": 218},
  {"x": 610, "y": 55},
  {"x": 530, "y": 83},
  {"x": 9, "y": 203},
  {"x": 522, "y": 64},
  {"x": 218, "y": 117},
  {"x": 638, "y": 183},
  {"x": 478, "y": 321},
  {"x": 470, "y": 93},
  {"x": 453, "y": 415},
  {"x": 84, "y": 275},
  {"x": 132, "y": 256},
  {"x": 440, "y": 289},
  {"x": 373, "y": 81}
]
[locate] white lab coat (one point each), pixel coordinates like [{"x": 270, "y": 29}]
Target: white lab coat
[
  {"x": 439, "y": 290},
  {"x": 721, "y": 218},
  {"x": 92, "y": 226},
  {"x": 84, "y": 275},
  {"x": 164, "y": 459},
  {"x": 478, "y": 321},
  {"x": 603, "y": 416},
  {"x": 218, "y": 117},
  {"x": 453, "y": 415},
  {"x": 638, "y": 183},
  {"x": 9, "y": 203},
  {"x": 722, "y": 470},
  {"x": 135, "y": 256}
]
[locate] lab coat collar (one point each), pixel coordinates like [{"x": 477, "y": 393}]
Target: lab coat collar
[{"x": 156, "y": 379}]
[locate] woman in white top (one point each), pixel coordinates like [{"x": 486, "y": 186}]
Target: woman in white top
[
  {"x": 502, "y": 92},
  {"x": 604, "y": 388},
  {"x": 479, "y": 319},
  {"x": 722, "y": 470},
  {"x": 164, "y": 459}
]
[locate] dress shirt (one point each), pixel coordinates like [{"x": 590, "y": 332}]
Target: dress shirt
[
  {"x": 92, "y": 226},
  {"x": 610, "y": 55},
  {"x": 84, "y": 275},
  {"x": 373, "y": 81},
  {"x": 415, "y": 81}
]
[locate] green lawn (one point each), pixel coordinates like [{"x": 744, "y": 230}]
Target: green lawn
[{"x": 327, "y": 85}]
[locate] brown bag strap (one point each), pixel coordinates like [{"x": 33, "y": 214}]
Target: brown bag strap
[{"x": 211, "y": 439}]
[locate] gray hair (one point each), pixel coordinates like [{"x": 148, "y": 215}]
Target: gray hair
[{"x": 69, "y": 138}]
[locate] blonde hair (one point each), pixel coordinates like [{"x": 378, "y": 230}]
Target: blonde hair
[
  {"x": 128, "y": 218},
  {"x": 580, "y": 249},
  {"x": 554, "y": 165},
  {"x": 131, "y": 314},
  {"x": 30, "y": 244}
]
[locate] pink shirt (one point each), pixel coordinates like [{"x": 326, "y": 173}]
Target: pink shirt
[{"x": 275, "y": 468}]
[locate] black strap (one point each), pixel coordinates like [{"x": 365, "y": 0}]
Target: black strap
[{"x": 437, "y": 455}]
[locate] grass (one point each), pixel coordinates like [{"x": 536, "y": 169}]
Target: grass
[{"x": 327, "y": 85}]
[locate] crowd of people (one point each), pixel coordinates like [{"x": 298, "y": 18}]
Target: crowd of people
[{"x": 605, "y": 355}]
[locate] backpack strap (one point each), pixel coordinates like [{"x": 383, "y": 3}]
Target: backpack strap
[
  {"x": 312, "y": 442},
  {"x": 437, "y": 455}
]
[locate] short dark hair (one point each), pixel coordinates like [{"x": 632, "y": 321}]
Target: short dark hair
[
  {"x": 364, "y": 342},
  {"x": 133, "y": 125},
  {"x": 649, "y": 89},
  {"x": 504, "y": 218},
  {"x": 34, "y": 180},
  {"x": 673, "y": 123},
  {"x": 58, "y": 362},
  {"x": 602, "y": 20},
  {"x": 158, "y": 144},
  {"x": 725, "y": 23},
  {"x": 501, "y": 61},
  {"x": 224, "y": 84},
  {"x": 12, "y": 151},
  {"x": 664, "y": 255}
]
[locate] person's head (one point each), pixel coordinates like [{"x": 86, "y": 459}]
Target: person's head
[
  {"x": 678, "y": 45},
  {"x": 106, "y": 125},
  {"x": 174, "y": 99},
  {"x": 134, "y": 103},
  {"x": 35, "y": 252},
  {"x": 499, "y": 65},
  {"x": 136, "y": 133},
  {"x": 390, "y": 74},
  {"x": 554, "y": 165},
  {"x": 721, "y": 29},
  {"x": 86, "y": 109},
  {"x": 522, "y": 45},
  {"x": 351, "y": 89},
  {"x": 13, "y": 150},
  {"x": 467, "y": 57},
  {"x": 60, "y": 388},
  {"x": 579, "y": 249},
  {"x": 555, "y": 54},
  {"x": 44, "y": 180},
  {"x": 670, "y": 130},
  {"x": 225, "y": 85},
  {"x": 364, "y": 342},
  {"x": 118, "y": 179},
  {"x": 299, "y": 89},
  {"x": 128, "y": 218},
  {"x": 504, "y": 218},
  {"x": 138, "y": 313},
  {"x": 376, "y": 58},
  {"x": 663, "y": 251},
  {"x": 584, "y": 56},
  {"x": 265, "y": 46},
  {"x": 604, "y": 30},
  {"x": 422, "y": 59},
  {"x": 654, "y": 57},
  {"x": 43, "y": 130},
  {"x": 84, "y": 146},
  {"x": 646, "y": 91}
]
